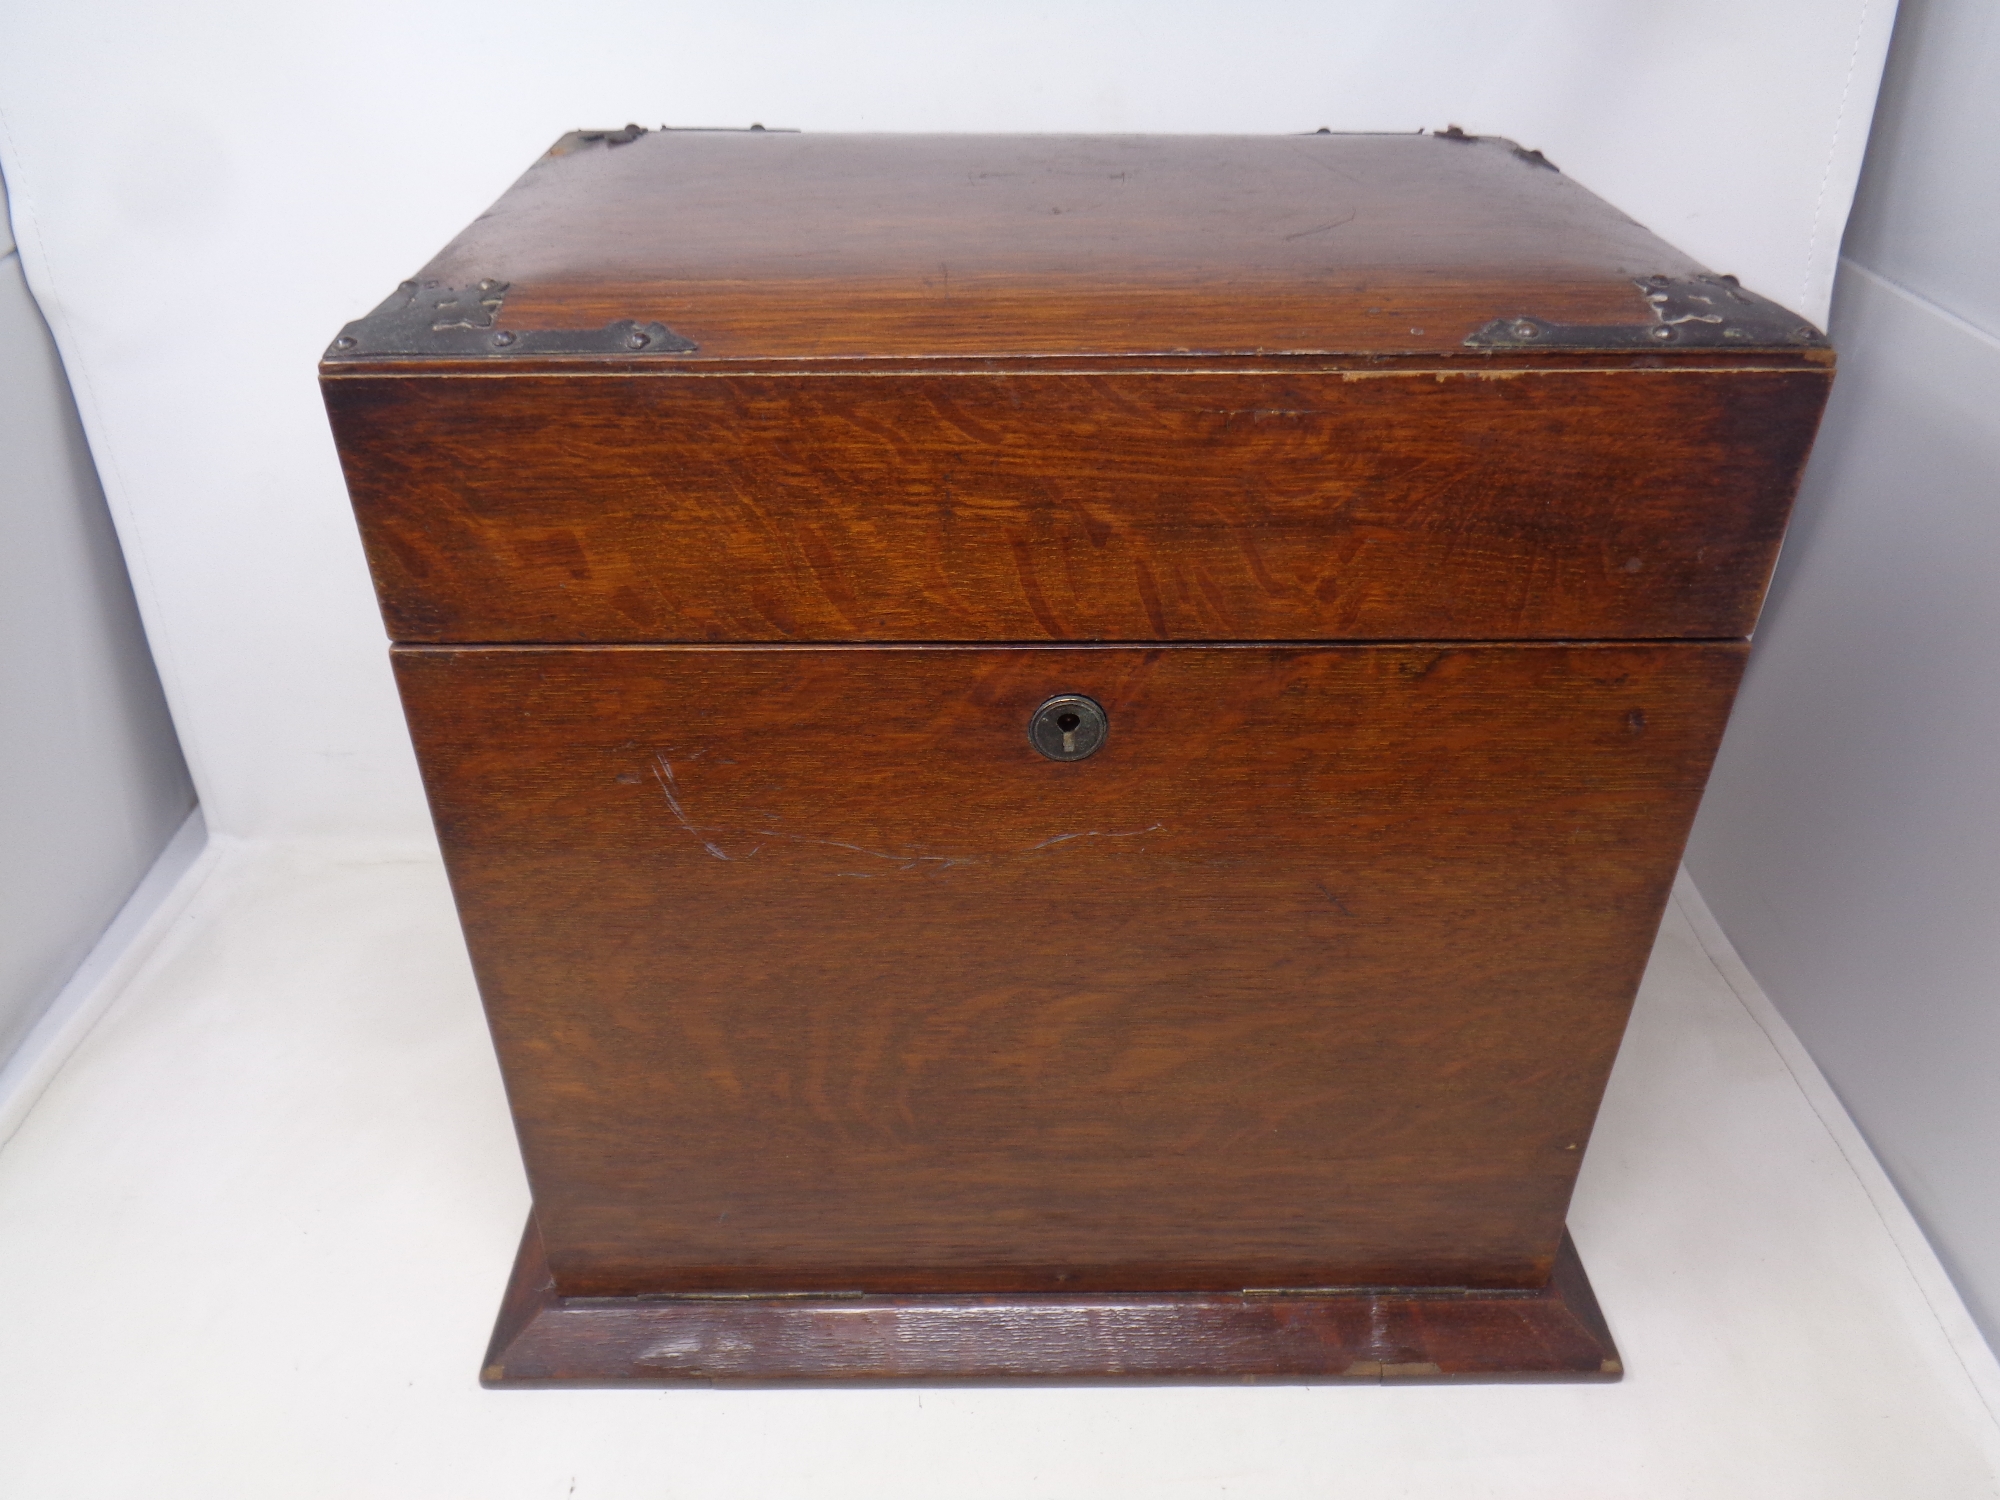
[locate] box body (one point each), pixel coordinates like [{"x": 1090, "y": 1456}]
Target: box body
[{"x": 736, "y": 499}]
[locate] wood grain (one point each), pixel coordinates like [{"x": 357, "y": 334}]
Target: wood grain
[
  {"x": 1018, "y": 507},
  {"x": 829, "y": 247},
  {"x": 808, "y": 973},
  {"x": 543, "y": 1338}
]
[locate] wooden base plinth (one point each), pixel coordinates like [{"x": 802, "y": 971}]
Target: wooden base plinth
[{"x": 1556, "y": 1333}]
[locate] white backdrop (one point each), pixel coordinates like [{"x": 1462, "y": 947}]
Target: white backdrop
[{"x": 204, "y": 191}]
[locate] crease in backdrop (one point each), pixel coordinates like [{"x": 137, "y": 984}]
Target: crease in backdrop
[{"x": 203, "y": 193}]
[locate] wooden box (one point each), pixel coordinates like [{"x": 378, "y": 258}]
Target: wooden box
[{"x": 1060, "y": 755}]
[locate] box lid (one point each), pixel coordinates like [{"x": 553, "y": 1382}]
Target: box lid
[{"x": 689, "y": 247}]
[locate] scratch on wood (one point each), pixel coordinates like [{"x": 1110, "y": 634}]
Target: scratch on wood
[
  {"x": 1338, "y": 904},
  {"x": 1269, "y": 411},
  {"x": 663, "y": 772},
  {"x": 932, "y": 864},
  {"x": 1300, "y": 234},
  {"x": 912, "y": 860},
  {"x": 1064, "y": 838}
]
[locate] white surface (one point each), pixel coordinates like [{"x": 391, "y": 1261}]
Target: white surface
[
  {"x": 91, "y": 778},
  {"x": 1941, "y": 1296},
  {"x": 257, "y": 1230},
  {"x": 146, "y": 917},
  {"x": 1928, "y": 212},
  {"x": 207, "y": 190},
  {"x": 1850, "y": 841}
]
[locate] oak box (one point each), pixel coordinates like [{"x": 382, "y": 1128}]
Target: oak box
[{"x": 1060, "y": 755}]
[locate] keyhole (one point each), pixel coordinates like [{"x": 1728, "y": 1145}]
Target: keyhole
[{"x": 1068, "y": 726}]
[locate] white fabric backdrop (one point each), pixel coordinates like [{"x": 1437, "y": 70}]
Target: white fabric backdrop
[{"x": 204, "y": 191}]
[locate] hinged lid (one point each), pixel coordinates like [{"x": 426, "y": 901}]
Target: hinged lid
[{"x": 637, "y": 246}]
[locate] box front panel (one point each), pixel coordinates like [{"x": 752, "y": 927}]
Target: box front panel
[
  {"x": 1464, "y": 504},
  {"x": 808, "y": 971}
]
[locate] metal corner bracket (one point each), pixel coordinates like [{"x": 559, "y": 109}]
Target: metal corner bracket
[
  {"x": 1699, "y": 312},
  {"x": 429, "y": 318}
]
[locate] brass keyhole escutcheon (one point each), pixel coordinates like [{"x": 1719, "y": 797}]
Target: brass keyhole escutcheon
[{"x": 1069, "y": 727}]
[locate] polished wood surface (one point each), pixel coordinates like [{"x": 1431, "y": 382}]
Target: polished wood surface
[
  {"x": 830, "y": 247},
  {"x": 808, "y": 973},
  {"x": 1379, "y": 1337},
  {"x": 1276, "y": 506}
]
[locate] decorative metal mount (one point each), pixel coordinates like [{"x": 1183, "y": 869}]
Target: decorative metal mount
[
  {"x": 1457, "y": 133},
  {"x": 1697, "y": 312},
  {"x": 577, "y": 140},
  {"x": 623, "y": 137},
  {"x": 430, "y": 318}
]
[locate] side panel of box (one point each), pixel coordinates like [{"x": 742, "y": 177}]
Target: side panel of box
[
  {"x": 808, "y": 972},
  {"x": 1467, "y": 504}
]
